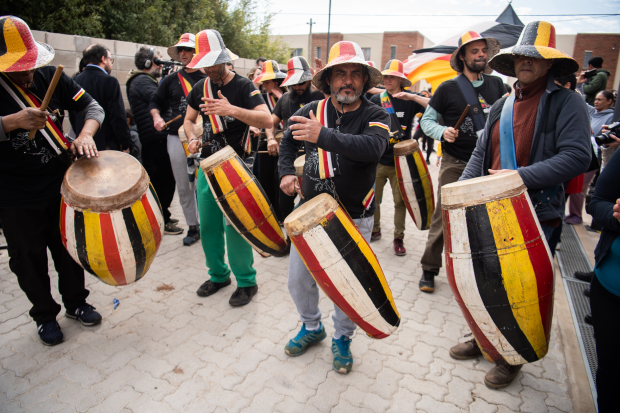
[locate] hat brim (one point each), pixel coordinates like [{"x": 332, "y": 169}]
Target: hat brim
[
  {"x": 210, "y": 59},
  {"x": 173, "y": 52},
  {"x": 405, "y": 82},
  {"x": 297, "y": 77},
  {"x": 493, "y": 48},
  {"x": 45, "y": 54},
  {"x": 375, "y": 74},
  {"x": 563, "y": 65},
  {"x": 269, "y": 76}
]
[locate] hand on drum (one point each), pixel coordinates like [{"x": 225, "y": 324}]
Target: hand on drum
[
  {"x": 288, "y": 184},
  {"x": 306, "y": 129},
  {"x": 450, "y": 134},
  {"x": 84, "y": 145},
  {"x": 220, "y": 107}
]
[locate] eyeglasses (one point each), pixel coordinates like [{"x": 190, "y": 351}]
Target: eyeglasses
[
  {"x": 111, "y": 59},
  {"x": 184, "y": 49}
]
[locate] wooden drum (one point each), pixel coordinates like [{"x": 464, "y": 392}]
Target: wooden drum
[
  {"x": 111, "y": 221},
  {"x": 414, "y": 182},
  {"x": 343, "y": 264},
  {"x": 299, "y": 169},
  {"x": 499, "y": 266},
  {"x": 243, "y": 201},
  {"x": 183, "y": 137}
]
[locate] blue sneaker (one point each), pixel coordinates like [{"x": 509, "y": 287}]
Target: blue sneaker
[
  {"x": 86, "y": 314},
  {"x": 304, "y": 339},
  {"x": 343, "y": 360},
  {"x": 50, "y": 333}
]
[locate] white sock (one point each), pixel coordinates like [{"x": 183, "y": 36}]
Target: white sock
[{"x": 313, "y": 327}]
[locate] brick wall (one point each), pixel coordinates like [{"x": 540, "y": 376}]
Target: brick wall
[
  {"x": 320, "y": 40},
  {"x": 605, "y": 45},
  {"x": 405, "y": 43}
]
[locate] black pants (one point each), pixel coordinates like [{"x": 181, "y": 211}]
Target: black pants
[
  {"x": 605, "y": 308},
  {"x": 428, "y": 144},
  {"x": 30, "y": 230},
  {"x": 156, "y": 161},
  {"x": 270, "y": 181}
]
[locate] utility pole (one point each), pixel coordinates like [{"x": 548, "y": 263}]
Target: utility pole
[
  {"x": 310, "y": 42},
  {"x": 329, "y": 20}
]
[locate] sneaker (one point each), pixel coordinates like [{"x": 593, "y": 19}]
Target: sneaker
[
  {"x": 304, "y": 339},
  {"x": 172, "y": 229},
  {"x": 209, "y": 287},
  {"x": 584, "y": 276},
  {"x": 193, "y": 235},
  {"x": 50, "y": 333},
  {"x": 573, "y": 220},
  {"x": 501, "y": 376},
  {"x": 343, "y": 360},
  {"x": 243, "y": 295},
  {"x": 174, "y": 221},
  {"x": 466, "y": 350},
  {"x": 85, "y": 314},
  {"x": 375, "y": 236},
  {"x": 399, "y": 247},
  {"x": 427, "y": 282}
]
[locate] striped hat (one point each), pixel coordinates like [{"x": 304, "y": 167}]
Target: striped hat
[
  {"x": 537, "y": 40},
  {"x": 395, "y": 68},
  {"x": 18, "y": 49},
  {"x": 343, "y": 53},
  {"x": 371, "y": 63},
  {"x": 493, "y": 48},
  {"x": 186, "y": 40},
  {"x": 210, "y": 50},
  {"x": 269, "y": 71},
  {"x": 298, "y": 71}
]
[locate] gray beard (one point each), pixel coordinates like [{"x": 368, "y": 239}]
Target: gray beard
[{"x": 347, "y": 100}]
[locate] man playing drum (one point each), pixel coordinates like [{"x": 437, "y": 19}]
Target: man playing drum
[
  {"x": 32, "y": 170},
  {"x": 230, "y": 104},
  {"x": 344, "y": 137},
  {"x": 548, "y": 138}
]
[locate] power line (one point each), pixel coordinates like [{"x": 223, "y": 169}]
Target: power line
[{"x": 449, "y": 15}]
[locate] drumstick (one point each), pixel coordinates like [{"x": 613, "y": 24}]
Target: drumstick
[
  {"x": 170, "y": 121},
  {"x": 48, "y": 96},
  {"x": 462, "y": 118}
]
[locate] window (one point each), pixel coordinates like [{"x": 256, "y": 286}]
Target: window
[
  {"x": 393, "y": 52},
  {"x": 586, "y": 57},
  {"x": 318, "y": 52},
  {"x": 296, "y": 52},
  {"x": 366, "y": 51}
]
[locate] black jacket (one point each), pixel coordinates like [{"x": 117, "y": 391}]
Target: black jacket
[
  {"x": 140, "y": 88},
  {"x": 106, "y": 90},
  {"x": 602, "y": 206}
]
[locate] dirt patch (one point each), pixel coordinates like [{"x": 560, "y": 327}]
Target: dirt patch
[
  {"x": 164, "y": 287},
  {"x": 178, "y": 370}
]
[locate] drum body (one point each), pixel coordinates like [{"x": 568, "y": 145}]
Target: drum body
[
  {"x": 499, "y": 266},
  {"x": 111, "y": 221},
  {"x": 414, "y": 182},
  {"x": 243, "y": 201},
  {"x": 343, "y": 264},
  {"x": 299, "y": 170},
  {"x": 183, "y": 136}
]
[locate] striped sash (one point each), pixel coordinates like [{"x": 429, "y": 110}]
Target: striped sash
[
  {"x": 328, "y": 168},
  {"x": 185, "y": 85},
  {"x": 271, "y": 101},
  {"x": 217, "y": 125}
]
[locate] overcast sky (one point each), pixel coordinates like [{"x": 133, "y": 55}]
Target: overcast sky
[{"x": 369, "y": 16}]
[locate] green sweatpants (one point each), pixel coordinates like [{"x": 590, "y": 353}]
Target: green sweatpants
[{"x": 212, "y": 230}]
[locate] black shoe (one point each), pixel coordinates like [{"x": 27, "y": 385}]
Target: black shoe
[
  {"x": 588, "y": 318},
  {"x": 172, "y": 229},
  {"x": 375, "y": 236},
  {"x": 174, "y": 221},
  {"x": 243, "y": 295},
  {"x": 50, "y": 333},
  {"x": 209, "y": 287},
  {"x": 428, "y": 161},
  {"x": 85, "y": 314},
  {"x": 584, "y": 276},
  {"x": 427, "y": 282},
  {"x": 193, "y": 235},
  {"x": 586, "y": 292}
]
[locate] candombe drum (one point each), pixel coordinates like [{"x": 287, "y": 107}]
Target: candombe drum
[
  {"x": 111, "y": 221},
  {"x": 299, "y": 169},
  {"x": 243, "y": 201},
  {"x": 499, "y": 266},
  {"x": 343, "y": 264},
  {"x": 183, "y": 136},
  {"x": 414, "y": 182}
]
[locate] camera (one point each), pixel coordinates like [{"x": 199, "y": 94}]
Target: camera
[
  {"x": 604, "y": 138},
  {"x": 590, "y": 73}
]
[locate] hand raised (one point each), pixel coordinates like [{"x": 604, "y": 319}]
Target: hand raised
[{"x": 306, "y": 129}]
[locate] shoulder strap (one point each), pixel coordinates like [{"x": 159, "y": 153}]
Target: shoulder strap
[
  {"x": 185, "y": 84},
  {"x": 467, "y": 89},
  {"x": 508, "y": 157},
  {"x": 217, "y": 125}
]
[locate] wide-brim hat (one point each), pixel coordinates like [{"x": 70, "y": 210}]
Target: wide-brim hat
[
  {"x": 537, "y": 40},
  {"x": 345, "y": 53},
  {"x": 186, "y": 40},
  {"x": 371, "y": 63},
  {"x": 395, "y": 68},
  {"x": 21, "y": 52},
  {"x": 298, "y": 71},
  {"x": 269, "y": 71},
  {"x": 493, "y": 48},
  {"x": 210, "y": 50}
]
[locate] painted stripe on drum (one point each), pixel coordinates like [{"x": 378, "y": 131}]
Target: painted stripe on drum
[
  {"x": 135, "y": 239},
  {"x": 127, "y": 253},
  {"x": 427, "y": 185},
  {"x": 70, "y": 233},
  {"x": 467, "y": 281},
  {"x": 488, "y": 272},
  {"x": 110, "y": 248},
  {"x": 406, "y": 189},
  {"x": 148, "y": 238},
  {"x": 154, "y": 203},
  {"x": 362, "y": 260},
  {"x": 80, "y": 241},
  {"x": 63, "y": 229},
  {"x": 155, "y": 228},
  {"x": 418, "y": 188},
  {"x": 154, "y": 194},
  {"x": 94, "y": 248}
]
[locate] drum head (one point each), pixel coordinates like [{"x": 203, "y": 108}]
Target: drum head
[
  {"x": 278, "y": 136},
  {"x": 197, "y": 130},
  {"x": 112, "y": 181},
  {"x": 310, "y": 214},
  {"x": 405, "y": 148},
  {"x": 481, "y": 190},
  {"x": 299, "y": 165},
  {"x": 217, "y": 158}
]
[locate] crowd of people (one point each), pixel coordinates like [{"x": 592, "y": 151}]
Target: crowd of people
[{"x": 346, "y": 114}]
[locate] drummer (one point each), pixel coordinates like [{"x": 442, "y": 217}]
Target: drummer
[
  {"x": 31, "y": 172},
  {"x": 550, "y": 149},
  {"x": 352, "y": 139},
  {"x": 233, "y": 106}
]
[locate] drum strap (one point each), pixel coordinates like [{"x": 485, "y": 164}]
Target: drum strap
[
  {"x": 185, "y": 84},
  {"x": 328, "y": 167},
  {"x": 271, "y": 102},
  {"x": 217, "y": 125},
  {"x": 469, "y": 93}
]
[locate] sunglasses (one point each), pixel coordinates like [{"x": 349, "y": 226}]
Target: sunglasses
[{"x": 184, "y": 49}]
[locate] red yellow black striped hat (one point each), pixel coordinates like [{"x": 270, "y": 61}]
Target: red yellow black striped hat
[
  {"x": 186, "y": 40},
  {"x": 18, "y": 49},
  {"x": 298, "y": 71},
  {"x": 210, "y": 50},
  {"x": 269, "y": 71},
  {"x": 493, "y": 48},
  {"x": 395, "y": 68},
  {"x": 537, "y": 40}
]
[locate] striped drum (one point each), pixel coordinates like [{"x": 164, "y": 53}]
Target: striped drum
[
  {"x": 243, "y": 202},
  {"x": 414, "y": 182},
  {"x": 499, "y": 266},
  {"x": 343, "y": 264},
  {"x": 111, "y": 221},
  {"x": 299, "y": 170},
  {"x": 183, "y": 136}
]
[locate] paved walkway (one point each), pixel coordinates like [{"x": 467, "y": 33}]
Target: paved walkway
[{"x": 164, "y": 349}]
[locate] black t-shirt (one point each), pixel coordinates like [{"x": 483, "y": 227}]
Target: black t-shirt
[
  {"x": 449, "y": 102},
  {"x": 284, "y": 107},
  {"x": 240, "y": 92},
  {"x": 404, "y": 110},
  {"x": 170, "y": 96},
  {"x": 30, "y": 170}
]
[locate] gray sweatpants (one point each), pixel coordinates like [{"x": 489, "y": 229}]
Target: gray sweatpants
[
  {"x": 187, "y": 194},
  {"x": 305, "y": 292}
]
